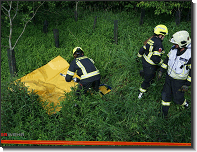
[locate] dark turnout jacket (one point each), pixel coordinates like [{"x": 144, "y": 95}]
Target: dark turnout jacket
[
  {"x": 85, "y": 69},
  {"x": 152, "y": 52}
]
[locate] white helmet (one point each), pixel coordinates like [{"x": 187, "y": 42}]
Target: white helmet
[{"x": 181, "y": 38}]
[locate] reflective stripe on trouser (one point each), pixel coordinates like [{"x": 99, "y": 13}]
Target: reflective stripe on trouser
[
  {"x": 142, "y": 90},
  {"x": 185, "y": 103},
  {"x": 165, "y": 107},
  {"x": 165, "y": 103}
]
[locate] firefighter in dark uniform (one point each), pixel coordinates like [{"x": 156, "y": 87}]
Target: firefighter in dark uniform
[
  {"x": 86, "y": 70},
  {"x": 178, "y": 66},
  {"x": 151, "y": 54}
]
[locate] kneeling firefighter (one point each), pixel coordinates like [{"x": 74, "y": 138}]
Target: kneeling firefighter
[
  {"x": 151, "y": 54},
  {"x": 86, "y": 70},
  {"x": 178, "y": 66}
]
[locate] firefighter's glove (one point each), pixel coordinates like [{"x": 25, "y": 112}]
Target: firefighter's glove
[
  {"x": 76, "y": 79},
  {"x": 137, "y": 59},
  {"x": 184, "y": 88},
  {"x": 159, "y": 75}
]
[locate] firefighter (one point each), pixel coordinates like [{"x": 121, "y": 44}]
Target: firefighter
[
  {"x": 151, "y": 54},
  {"x": 178, "y": 66},
  {"x": 86, "y": 70}
]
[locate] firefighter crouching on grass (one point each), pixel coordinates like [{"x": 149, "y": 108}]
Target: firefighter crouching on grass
[
  {"x": 88, "y": 73},
  {"x": 178, "y": 77},
  {"x": 151, "y": 54}
]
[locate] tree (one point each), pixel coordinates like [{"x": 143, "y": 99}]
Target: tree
[
  {"x": 167, "y": 7},
  {"x": 10, "y": 10},
  {"x": 164, "y": 6}
]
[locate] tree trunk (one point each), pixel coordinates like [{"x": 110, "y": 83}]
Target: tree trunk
[
  {"x": 56, "y": 36},
  {"x": 142, "y": 16},
  {"x": 45, "y": 27},
  {"x": 12, "y": 62},
  {"x": 178, "y": 17},
  {"x": 116, "y": 31},
  {"x": 76, "y": 16},
  {"x": 188, "y": 15},
  {"x": 95, "y": 22}
]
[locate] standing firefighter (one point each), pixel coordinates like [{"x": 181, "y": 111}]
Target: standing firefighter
[
  {"x": 178, "y": 77},
  {"x": 88, "y": 73},
  {"x": 151, "y": 54}
]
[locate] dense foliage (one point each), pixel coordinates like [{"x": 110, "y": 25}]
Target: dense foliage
[{"x": 118, "y": 116}]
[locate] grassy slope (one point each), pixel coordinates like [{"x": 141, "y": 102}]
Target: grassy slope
[{"x": 119, "y": 116}]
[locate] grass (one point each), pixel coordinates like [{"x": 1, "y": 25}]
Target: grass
[{"x": 118, "y": 116}]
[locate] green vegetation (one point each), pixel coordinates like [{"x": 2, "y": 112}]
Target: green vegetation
[
  {"x": 161, "y": 7},
  {"x": 119, "y": 115}
]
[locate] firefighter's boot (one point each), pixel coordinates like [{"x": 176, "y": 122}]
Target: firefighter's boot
[{"x": 140, "y": 95}]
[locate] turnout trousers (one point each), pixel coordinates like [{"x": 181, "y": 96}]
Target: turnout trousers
[
  {"x": 149, "y": 74},
  {"x": 171, "y": 90},
  {"x": 86, "y": 85}
]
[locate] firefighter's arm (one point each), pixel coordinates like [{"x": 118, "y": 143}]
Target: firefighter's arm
[
  {"x": 188, "y": 83},
  {"x": 185, "y": 87},
  {"x": 164, "y": 65},
  {"x": 91, "y": 60},
  {"x": 70, "y": 72},
  {"x": 141, "y": 51}
]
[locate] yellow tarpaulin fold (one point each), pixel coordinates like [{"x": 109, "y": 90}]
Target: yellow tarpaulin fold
[{"x": 47, "y": 82}]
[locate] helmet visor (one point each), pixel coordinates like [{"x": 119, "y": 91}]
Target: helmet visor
[{"x": 173, "y": 41}]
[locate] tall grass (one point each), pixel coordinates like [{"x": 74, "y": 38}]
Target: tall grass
[{"x": 119, "y": 115}]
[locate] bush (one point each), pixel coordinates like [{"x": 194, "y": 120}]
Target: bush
[{"x": 117, "y": 116}]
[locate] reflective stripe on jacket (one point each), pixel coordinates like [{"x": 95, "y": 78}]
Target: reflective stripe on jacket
[
  {"x": 177, "y": 65},
  {"x": 85, "y": 69},
  {"x": 152, "y": 51}
]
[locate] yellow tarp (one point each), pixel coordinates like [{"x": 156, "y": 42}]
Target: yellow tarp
[{"x": 47, "y": 82}]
